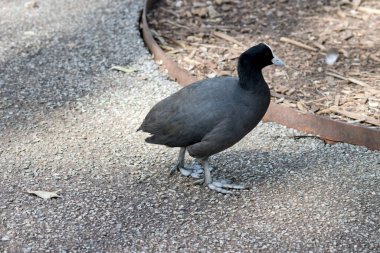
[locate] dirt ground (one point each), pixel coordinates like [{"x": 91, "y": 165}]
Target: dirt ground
[
  {"x": 68, "y": 122},
  {"x": 207, "y": 38}
]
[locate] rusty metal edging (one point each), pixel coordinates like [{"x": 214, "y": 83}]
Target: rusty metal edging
[
  {"x": 327, "y": 129},
  {"x": 179, "y": 74}
]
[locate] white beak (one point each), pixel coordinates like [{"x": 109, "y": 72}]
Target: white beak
[{"x": 277, "y": 61}]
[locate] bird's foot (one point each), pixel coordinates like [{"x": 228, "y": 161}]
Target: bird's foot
[
  {"x": 195, "y": 171},
  {"x": 223, "y": 186},
  {"x": 192, "y": 172}
]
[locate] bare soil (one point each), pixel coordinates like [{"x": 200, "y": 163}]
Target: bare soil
[{"x": 207, "y": 38}]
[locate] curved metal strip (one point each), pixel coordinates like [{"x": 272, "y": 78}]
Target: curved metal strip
[{"x": 179, "y": 74}]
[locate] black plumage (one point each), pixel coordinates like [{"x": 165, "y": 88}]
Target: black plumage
[{"x": 211, "y": 115}]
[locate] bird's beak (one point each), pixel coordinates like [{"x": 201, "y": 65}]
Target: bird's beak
[{"x": 277, "y": 61}]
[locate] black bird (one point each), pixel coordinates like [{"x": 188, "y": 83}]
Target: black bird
[{"x": 211, "y": 115}]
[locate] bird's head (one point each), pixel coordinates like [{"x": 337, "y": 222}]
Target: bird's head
[{"x": 258, "y": 57}]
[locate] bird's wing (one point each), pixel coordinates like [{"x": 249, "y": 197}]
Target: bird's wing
[
  {"x": 187, "y": 116},
  {"x": 222, "y": 136}
]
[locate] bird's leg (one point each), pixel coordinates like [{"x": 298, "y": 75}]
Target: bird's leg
[
  {"x": 207, "y": 174},
  {"x": 180, "y": 163},
  {"x": 219, "y": 186},
  {"x": 198, "y": 168},
  {"x": 196, "y": 171}
]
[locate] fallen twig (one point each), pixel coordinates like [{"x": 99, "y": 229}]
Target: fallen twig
[
  {"x": 298, "y": 44},
  {"x": 356, "y": 116},
  {"x": 369, "y": 10},
  {"x": 177, "y": 25},
  {"x": 304, "y": 136},
  {"x": 209, "y": 46},
  {"x": 351, "y": 79},
  {"x": 360, "y": 8},
  {"x": 229, "y": 38},
  {"x": 191, "y": 61},
  {"x": 319, "y": 45},
  {"x": 175, "y": 51}
]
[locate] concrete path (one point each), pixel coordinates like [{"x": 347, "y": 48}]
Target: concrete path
[{"x": 67, "y": 122}]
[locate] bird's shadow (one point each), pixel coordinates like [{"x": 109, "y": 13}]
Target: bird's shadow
[{"x": 251, "y": 167}]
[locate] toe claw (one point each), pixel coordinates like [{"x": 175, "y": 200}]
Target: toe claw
[
  {"x": 223, "y": 187},
  {"x": 196, "y": 175},
  {"x": 173, "y": 170},
  {"x": 217, "y": 184},
  {"x": 227, "y": 185},
  {"x": 199, "y": 182},
  {"x": 234, "y": 186},
  {"x": 190, "y": 172},
  {"x": 185, "y": 172},
  {"x": 213, "y": 187}
]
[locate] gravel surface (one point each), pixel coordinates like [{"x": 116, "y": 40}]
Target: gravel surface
[{"x": 68, "y": 123}]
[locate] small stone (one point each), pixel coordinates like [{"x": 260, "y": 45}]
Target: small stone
[
  {"x": 332, "y": 56},
  {"x": 178, "y": 4},
  {"x": 5, "y": 238},
  {"x": 31, "y": 4}
]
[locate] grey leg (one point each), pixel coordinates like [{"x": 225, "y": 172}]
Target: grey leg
[
  {"x": 219, "y": 186},
  {"x": 207, "y": 174},
  {"x": 180, "y": 163},
  {"x": 195, "y": 172},
  {"x": 199, "y": 168}
]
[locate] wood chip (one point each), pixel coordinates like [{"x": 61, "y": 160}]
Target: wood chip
[
  {"x": 374, "y": 57},
  {"x": 337, "y": 100},
  {"x": 191, "y": 55},
  {"x": 290, "y": 91},
  {"x": 301, "y": 107},
  {"x": 324, "y": 111}
]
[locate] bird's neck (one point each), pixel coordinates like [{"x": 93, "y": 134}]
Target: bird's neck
[{"x": 251, "y": 79}]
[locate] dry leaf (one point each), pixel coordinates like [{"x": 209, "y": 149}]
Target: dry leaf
[
  {"x": 290, "y": 91},
  {"x": 45, "y": 194},
  {"x": 127, "y": 70},
  {"x": 31, "y": 4}
]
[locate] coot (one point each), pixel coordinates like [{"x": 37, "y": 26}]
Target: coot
[{"x": 211, "y": 115}]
